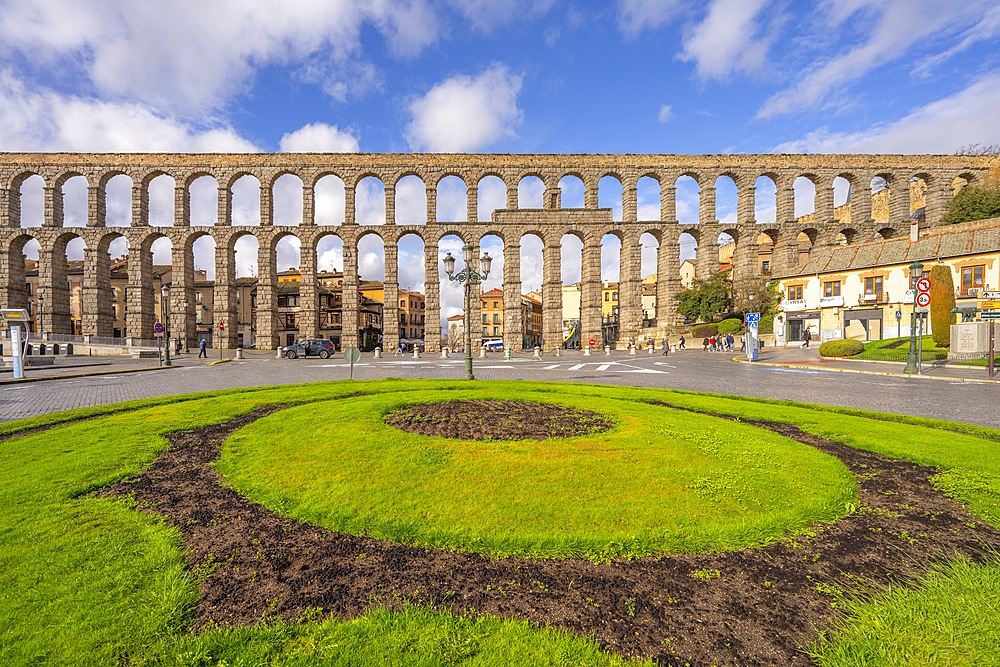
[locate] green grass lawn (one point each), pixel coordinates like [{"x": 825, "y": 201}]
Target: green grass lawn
[
  {"x": 663, "y": 481},
  {"x": 898, "y": 349},
  {"x": 87, "y": 581}
]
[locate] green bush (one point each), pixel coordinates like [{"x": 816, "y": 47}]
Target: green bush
[
  {"x": 841, "y": 348},
  {"x": 705, "y": 330},
  {"x": 942, "y": 303},
  {"x": 730, "y": 326},
  {"x": 766, "y": 325}
]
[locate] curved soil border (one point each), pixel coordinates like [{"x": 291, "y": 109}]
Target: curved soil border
[{"x": 762, "y": 609}]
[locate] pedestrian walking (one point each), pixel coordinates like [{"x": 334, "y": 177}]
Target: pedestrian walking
[
  {"x": 680, "y": 343},
  {"x": 202, "y": 349},
  {"x": 704, "y": 345},
  {"x": 806, "y": 336},
  {"x": 666, "y": 346}
]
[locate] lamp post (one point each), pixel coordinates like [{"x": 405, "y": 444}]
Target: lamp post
[
  {"x": 184, "y": 322},
  {"x": 165, "y": 307},
  {"x": 470, "y": 277},
  {"x": 916, "y": 271}
]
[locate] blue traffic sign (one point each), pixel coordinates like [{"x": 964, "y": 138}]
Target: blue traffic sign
[
  {"x": 753, "y": 319},
  {"x": 158, "y": 327}
]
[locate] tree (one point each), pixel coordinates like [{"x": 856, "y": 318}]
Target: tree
[
  {"x": 765, "y": 296},
  {"x": 706, "y": 299},
  {"x": 456, "y": 337},
  {"x": 942, "y": 303},
  {"x": 979, "y": 149},
  {"x": 974, "y": 202}
]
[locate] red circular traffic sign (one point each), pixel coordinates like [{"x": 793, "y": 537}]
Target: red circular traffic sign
[
  {"x": 923, "y": 299},
  {"x": 222, "y": 326},
  {"x": 924, "y": 285},
  {"x": 593, "y": 341},
  {"x": 158, "y": 327}
]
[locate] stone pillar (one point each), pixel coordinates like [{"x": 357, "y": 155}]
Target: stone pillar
[
  {"x": 513, "y": 321},
  {"x": 140, "y": 298},
  {"x": 224, "y": 297},
  {"x": 308, "y": 203},
  {"x": 472, "y": 205},
  {"x": 309, "y": 307},
  {"x": 824, "y": 203},
  {"x": 351, "y": 301},
  {"x": 590, "y": 193},
  {"x": 552, "y": 199},
  {"x": 668, "y": 204},
  {"x": 590, "y": 294},
  {"x": 707, "y": 257},
  {"x": 140, "y": 205},
  {"x": 785, "y": 255},
  {"x": 182, "y": 305},
  {"x": 53, "y": 290},
  {"x": 225, "y": 215},
  {"x": 96, "y": 206},
  {"x": 390, "y": 205},
  {"x": 785, "y": 203},
  {"x": 899, "y": 201},
  {"x": 182, "y": 205},
  {"x": 267, "y": 297},
  {"x": 668, "y": 279},
  {"x": 431, "y": 195},
  {"x": 745, "y": 254},
  {"x": 432, "y": 298},
  {"x": 512, "y": 196},
  {"x": 475, "y": 299},
  {"x": 706, "y": 205},
  {"x": 391, "y": 310},
  {"x": 350, "y": 206},
  {"x": 13, "y": 293},
  {"x": 266, "y": 205},
  {"x": 746, "y": 203},
  {"x": 6, "y": 212},
  {"x": 630, "y": 289},
  {"x": 53, "y": 206},
  {"x": 935, "y": 201},
  {"x": 861, "y": 205},
  {"x": 97, "y": 296},
  {"x": 630, "y": 203},
  {"x": 552, "y": 318}
]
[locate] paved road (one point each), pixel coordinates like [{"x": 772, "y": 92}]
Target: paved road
[{"x": 961, "y": 398}]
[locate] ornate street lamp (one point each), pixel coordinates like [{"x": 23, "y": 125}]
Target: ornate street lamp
[
  {"x": 470, "y": 277},
  {"x": 916, "y": 271}
]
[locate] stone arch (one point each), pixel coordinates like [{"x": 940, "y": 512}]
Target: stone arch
[
  {"x": 727, "y": 196},
  {"x": 494, "y": 197},
  {"x": 286, "y": 192},
  {"x": 806, "y": 187},
  {"x": 765, "y": 189},
  {"x": 370, "y": 201},
  {"x": 410, "y": 200},
  {"x": 27, "y": 200},
  {"x": 572, "y": 191},
  {"x": 688, "y": 198},
  {"x": 451, "y": 199},
  {"x": 611, "y": 194},
  {"x": 329, "y": 192},
  {"x": 649, "y": 197},
  {"x": 202, "y": 190},
  {"x": 531, "y": 191}
]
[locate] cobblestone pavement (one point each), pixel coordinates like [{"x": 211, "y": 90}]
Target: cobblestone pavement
[{"x": 964, "y": 395}]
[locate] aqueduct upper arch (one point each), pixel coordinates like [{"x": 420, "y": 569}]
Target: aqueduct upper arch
[{"x": 935, "y": 175}]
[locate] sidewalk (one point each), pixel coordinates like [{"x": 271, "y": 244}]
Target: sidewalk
[
  {"x": 809, "y": 359},
  {"x": 85, "y": 366}
]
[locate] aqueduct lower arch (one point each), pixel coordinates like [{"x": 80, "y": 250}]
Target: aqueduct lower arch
[{"x": 935, "y": 174}]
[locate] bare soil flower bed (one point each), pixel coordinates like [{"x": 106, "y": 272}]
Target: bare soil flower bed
[{"x": 750, "y": 607}]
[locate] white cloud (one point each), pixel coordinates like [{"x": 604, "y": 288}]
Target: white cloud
[
  {"x": 634, "y": 16},
  {"x": 190, "y": 55},
  {"x": 487, "y": 15},
  {"x": 942, "y": 126},
  {"x": 464, "y": 113},
  {"x": 896, "y": 26},
  {"x": 42, "y": 120},
  {"x": 666, "y": 113},
  {"x": 727, "y": 41},
  {"x": 318, "y": 138}
]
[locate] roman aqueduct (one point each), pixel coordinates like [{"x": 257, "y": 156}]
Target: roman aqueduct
[{"x": 852, "y": 221}]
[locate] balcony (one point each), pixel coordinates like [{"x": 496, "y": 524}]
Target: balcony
[
  {"x": 878, "y": 299},
  {"x": 966, "y": 292}
]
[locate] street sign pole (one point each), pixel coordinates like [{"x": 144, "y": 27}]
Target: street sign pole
[{"x": 991, "y": 349}]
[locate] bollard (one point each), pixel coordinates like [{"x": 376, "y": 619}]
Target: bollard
[
  {"x": 558, "y": 352},
  {"x": 239, "y": 353},
  {"x": 586, "y": 351},
  {"x": 416, "y": 352},
  {"x": 651, "y": 347},
  {"x": 632, "y": 351},
  {"x": 607, "y": 350},
  {"x": 482, "y": 352},
  {"x": 538, "y": 352},
  {"x": 444, "y": 353},
  {"x": 506, "y": 353},
  {"x": 377, "y": 353},
  {"x": 279, "y": 355}
]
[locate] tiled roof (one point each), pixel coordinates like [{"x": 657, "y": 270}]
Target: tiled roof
[{"x": 968, "y": 238}]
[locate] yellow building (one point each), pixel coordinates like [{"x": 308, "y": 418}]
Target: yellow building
[{"x": 862, "y": 291}]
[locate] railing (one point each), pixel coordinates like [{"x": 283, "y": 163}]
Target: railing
[
  {"x": 873, "y": 299},
  {"x": 64, "y": 338},
  {"x": 102, "y": 340}
]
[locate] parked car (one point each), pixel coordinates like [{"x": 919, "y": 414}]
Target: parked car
[{"x": 310, "y": 347}]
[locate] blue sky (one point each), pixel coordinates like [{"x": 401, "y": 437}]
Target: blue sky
[
  {"x": 518, "y": 76},
  {"x": 647, "y": 76}
]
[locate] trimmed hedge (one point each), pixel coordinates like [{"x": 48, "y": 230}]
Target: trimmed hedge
[
  {"x": 705, "y": 330},
  {"x": 731, "y": 325},
  {"x": 841, "y": 348},
  {"x": 766, "y": 325}
]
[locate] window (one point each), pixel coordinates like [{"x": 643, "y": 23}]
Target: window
[
  {"x": 873, "y": 285},
  {"x": 486, "y": 318},
  {"x": 831, "y": 288},
  {"x": 972, "y": 277},
  {"x": 486, "y": 331},
  {"x": 402, "y": 304},
  {"x": 495, "y": 304},
  {"x": 496, "y": 318},
  {"x": 607, "y": 296},
  {"x": 496, "y": 331},
  {"x": 765, "y": 266},
  {"x": 614, "y": 296},
  {"x": 795, "y": 292}
]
